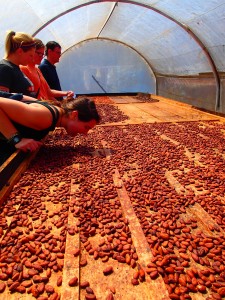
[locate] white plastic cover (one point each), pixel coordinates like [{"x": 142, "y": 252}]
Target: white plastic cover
[{"x": 157, "y": 30}]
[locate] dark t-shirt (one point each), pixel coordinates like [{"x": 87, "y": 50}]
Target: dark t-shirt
[
  {"x": 12, "y": 78},
  {"x": 11, "y": 96},
  {"x": 6, "y": 150},
  {"x": 39, "y": 134},
  {"x": 31, "y": 133},
  {"x": 50, "y": 74}
]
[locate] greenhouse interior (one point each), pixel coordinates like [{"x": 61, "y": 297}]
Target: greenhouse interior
[{"x": 124, "y": 200}]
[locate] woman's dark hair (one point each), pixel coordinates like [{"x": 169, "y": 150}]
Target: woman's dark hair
[
  {"x": 86, "y": 108},
  {"x": 38, "y": 43},
  {"x": 51, "y": 45}
]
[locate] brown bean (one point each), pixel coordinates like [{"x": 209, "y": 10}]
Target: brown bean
[
  {"x": 2, "y": 287},
  {"x": 49, "y": 289},
  {"x": 89, "y": 290},
  {"x": 84, "y": 284},
  {"x": 37, "y": 278},
  {"x": 149, "y": 270},
  {"x": 154, "y": 274},
  {"x": 201, "y": 288},
  {"x": 195, "y": 257},
  {"x": 174, "y": 296},
  {"x": 221, "y": 291},
  {"x": 54, "y": 296},
  {"x": 136, "y": 275},
  {"x": 83, "y": 262},
  {"x": 76, "y": 252},
  {"x": 182, "y": 280},
  {"x": 134, "y": 281},
  {"x": 13, "y": 286},
  {"x": 73, "y": 281},
  {"x": 184, "y": 256},
  {"x": 3, "y": 276},
  {"x": 21, "y": 289},
  {"x": 216, "y": 296},
  {"x": 59, "y": 281},
  {"x": 142, "y": 273},
  {"x": 169, "y": 270},
  {"x": 41, "y": 287},
  {"x": 108, "y": 270}
]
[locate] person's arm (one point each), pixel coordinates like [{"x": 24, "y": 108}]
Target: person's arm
[
  {"x": 53, "y": 94},
  {"x": 56, "y": 93},
  {"x": 16, "y": 96},
  {"x": 28, "y": 115}
]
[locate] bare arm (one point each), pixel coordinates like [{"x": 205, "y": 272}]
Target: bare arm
[
  {"x": 57, "y": 93},
  {"x": 27, "y": 115},
  {"x": 53, "y": 94}
]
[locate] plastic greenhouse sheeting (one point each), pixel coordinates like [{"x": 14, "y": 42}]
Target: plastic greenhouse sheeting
[{"x": 173, "y": 37}]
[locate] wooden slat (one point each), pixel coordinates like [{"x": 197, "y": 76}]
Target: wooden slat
[
  {"x": 154, "y": 289},
  {"x": 12, "y": 170},
  {"x": 71, "y": 267}
]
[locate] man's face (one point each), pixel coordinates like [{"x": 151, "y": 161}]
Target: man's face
[{"x": 55, "y": 54}]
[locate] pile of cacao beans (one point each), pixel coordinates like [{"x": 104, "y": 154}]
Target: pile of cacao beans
[{"x": 188, "y": 249}]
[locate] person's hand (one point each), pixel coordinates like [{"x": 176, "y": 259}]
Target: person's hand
[
  {"x": 70, "y": 94},
  {"x": 28, "y": 145}
]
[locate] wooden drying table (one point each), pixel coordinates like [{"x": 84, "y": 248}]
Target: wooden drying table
[{"x": 159, "y": 111}]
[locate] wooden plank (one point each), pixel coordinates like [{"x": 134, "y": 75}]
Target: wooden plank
[
  {"x": 16, "y": 169},
  {"x": 71, "y": 267},
  {"x": 205, "y": 221},
  {"x": 143, "y": 112},
  {"x": 165, "y": 110},
  {"x": 154, "y": 289}
]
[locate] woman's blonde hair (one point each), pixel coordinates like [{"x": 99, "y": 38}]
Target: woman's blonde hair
[{"x": 15, "y": 40}]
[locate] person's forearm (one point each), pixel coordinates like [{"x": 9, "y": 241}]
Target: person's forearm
[
  {"x": 9, "y": 131},
  {"x": 57, "y": 93},
  {"x": 6, "y": 126}
]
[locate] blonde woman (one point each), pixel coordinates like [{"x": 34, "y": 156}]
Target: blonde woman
[
  {"x": 41, "y": 87},
  {"x": 19, "y": 50}
]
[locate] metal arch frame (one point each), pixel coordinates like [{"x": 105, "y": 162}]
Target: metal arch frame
[
  {"x": 183, "y": 26},
  {"x": 118, "y": 42}
]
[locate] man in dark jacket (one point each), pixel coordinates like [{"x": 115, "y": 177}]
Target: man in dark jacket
[{"x": 48, "y": 69}]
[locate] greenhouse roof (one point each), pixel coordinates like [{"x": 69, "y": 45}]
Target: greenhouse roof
[{"x": 174, "y": 37}]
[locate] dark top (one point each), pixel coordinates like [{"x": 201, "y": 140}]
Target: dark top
[
  {"x": 11, "y": 96},
  {"x": 31, "y": 133},
  {"x": 50, "y": 74},
  {"x": 12, "y": 78},
  {"x": 5, "y": 149},
  {"x": 27, "y": 132}
]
